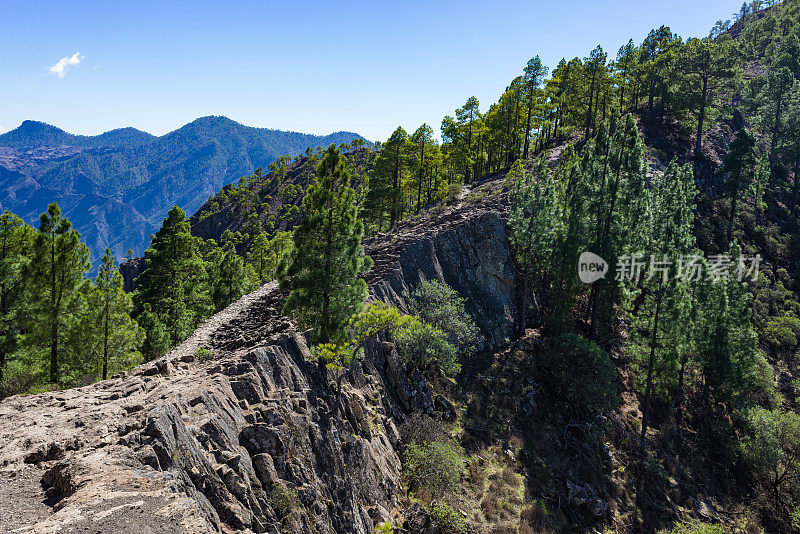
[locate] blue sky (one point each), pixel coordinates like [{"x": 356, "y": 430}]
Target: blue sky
[{"x": 313, "y": 67}]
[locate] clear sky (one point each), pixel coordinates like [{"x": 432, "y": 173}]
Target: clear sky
[{"x": 316, "y": 67}]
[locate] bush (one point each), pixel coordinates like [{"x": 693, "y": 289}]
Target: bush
[
  {"x": 423, "y": 347},
  {"x": 448, "y": 520},
  {"x": 283, "y": 500},
  {"x": 436, "y": 466},
  {"x": 423, "y": 429},
  {"x": 699, "y": 528},
  {"x": 581, "y": 374},
  {"x": 439, "y": 305},
  {"x": 17, "y": 382},
  {"x": 772, "y": 443},
  {"x": 453, "y": 193},
  {"x": 782, "y": 333}
]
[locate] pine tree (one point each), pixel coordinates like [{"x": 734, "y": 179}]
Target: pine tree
[
  {"x": 174, "y": 282},
  {"x": 386, "y": 193},
  {"x": 16, "y": 239},
  {"x": 266, "y": 254},
  {"x": 740, "y": 164},
  {"x": 422, "y": 140},
  {"x": 231, "y": 280},
  {"x": 596, "y": 70},
  {"x": 322, "y": 271},
  {"x": 467, "y": 117},
  {"x": 708, "y": 70},
  {"x": 534, "y": 74},
  {"x": 535, "y": 224},
  {"x": 119, "y": 334},
  {"x": 726, "y": 343},
  {"x": 666, "y": 298},
  {"x": 58, "y": 262}
]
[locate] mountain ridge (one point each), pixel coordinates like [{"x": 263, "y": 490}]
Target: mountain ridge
[{"x": 116, "y": 187}]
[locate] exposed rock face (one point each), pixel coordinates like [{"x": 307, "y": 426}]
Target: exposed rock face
[
  {"x": 251, "y": 439},
  {"x": 130, "y": 270},
  {"x": 470, "y": 255}
]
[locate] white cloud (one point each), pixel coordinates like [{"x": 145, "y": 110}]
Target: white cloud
[
  {"x": 64, "y": 64},
  {"x": 2, "y": 129}
]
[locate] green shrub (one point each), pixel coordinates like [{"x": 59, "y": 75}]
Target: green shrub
[
  {"x": 446, "y": 519},
  {"x": 283, "y": 500},
  {"x": 453, "y": 193},
  {"x": 698, "y": 528},
  {"x": 581, "y": 374},
  {"x": 782, "y": 333},
  {"x": 439, "y": 305},
  {"x": 203, "y": 354},
  {"x": 772, "y": 443},
  {"x": 423, "y": 346},
  {"x": 384, "y": 528},
  {"x": 436, "y": 466}
]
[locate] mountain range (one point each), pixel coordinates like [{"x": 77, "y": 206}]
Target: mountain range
[{"x": 117, "y": 187}]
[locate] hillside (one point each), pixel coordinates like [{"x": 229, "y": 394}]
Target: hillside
[
  {"x": 235, "y": 430},
  {"x": 476, "y": 373},
  {"x": 117, "y": 187}
]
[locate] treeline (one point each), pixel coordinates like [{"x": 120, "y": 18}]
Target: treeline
[
  {"x": 58, "y": 329},
  {"x": 186, "y": 279},
  {"x": 687, "y": 319},
  {"x": 697, "y": 81}
]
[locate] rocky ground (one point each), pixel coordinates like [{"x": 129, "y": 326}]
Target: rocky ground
[{"x": 236, "y": 430}]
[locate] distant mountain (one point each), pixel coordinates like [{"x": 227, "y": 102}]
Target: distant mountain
[{"x": 117, "y": 187}]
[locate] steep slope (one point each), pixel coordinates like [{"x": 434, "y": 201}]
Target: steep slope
[
  {"x": 235, "y": 430},
  {"x": 117, "y": 187}
]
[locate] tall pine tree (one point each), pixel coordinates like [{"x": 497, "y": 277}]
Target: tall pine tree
[
  {"x": 56, "y": 268},
  {"x": 322, "y": 271},
  {"x": 174, "y": 283}
]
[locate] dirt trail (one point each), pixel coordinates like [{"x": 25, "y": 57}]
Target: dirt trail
[{"x": 207, "y": 334}]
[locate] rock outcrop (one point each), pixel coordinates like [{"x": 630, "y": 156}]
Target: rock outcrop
[{"x": 236, "y": 430}]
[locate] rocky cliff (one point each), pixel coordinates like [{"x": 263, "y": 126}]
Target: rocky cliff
[{"x": 235, "y": 430}]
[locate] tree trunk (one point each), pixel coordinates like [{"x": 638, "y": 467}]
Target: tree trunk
[
  {"x": 776, "y": 127},
  {"x": 54, "y": 318},
  {"x": 698, "y": 147},
  {"x": 649, "y": 383},
  {"x": 732, "y": 215},
  {"x": 528, "y": 125},
  {"x": 105, "y": 341}
]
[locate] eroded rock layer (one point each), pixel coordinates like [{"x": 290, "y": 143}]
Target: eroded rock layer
[{"x": 246, "y": 434}]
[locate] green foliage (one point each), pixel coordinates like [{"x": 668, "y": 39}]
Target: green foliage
[
  {"x": 321, "y": 272},
  {"x": 436, "y": 466},
  {"x": 441, "y": 307},
  {"x": 228, "y": 277},
  {"x": 697, "y": 528},
  {"x": 782, "y": 333},
  {"x": 265, "y": 255},
  {"x": 423, "y": 346},
  {"x": 173, "y": 286},
  {"x": 54, "y": 276},
  {"x": 283, "y": 500},
  {"x": 57, "y": 329},
  {"x": 15, "y": 241},
  {"x": 446, "y": 519},
  {"x": 581, "y": 374},
  {"x": 203, "y": 354},
  {"x": 114, "y": 337},
  {"x": 384, "y": 528}
]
